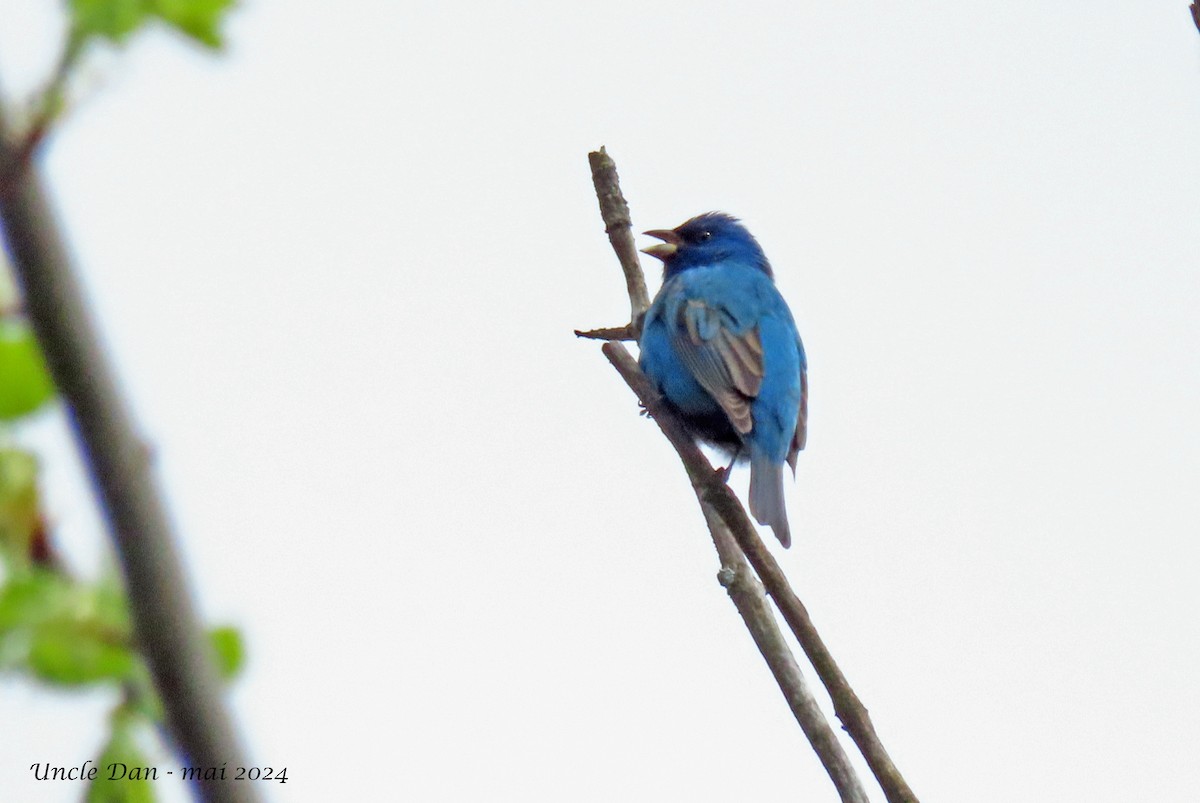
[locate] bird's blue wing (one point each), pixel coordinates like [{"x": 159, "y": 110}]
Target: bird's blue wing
[{"x": 726, "y": 362}]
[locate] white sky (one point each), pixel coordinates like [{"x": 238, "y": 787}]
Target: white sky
[{"x": 338, "y": 268}]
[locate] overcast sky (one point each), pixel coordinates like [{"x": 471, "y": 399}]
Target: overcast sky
[{"x": 338, "y": 267}]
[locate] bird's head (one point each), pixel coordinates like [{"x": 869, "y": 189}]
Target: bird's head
[{"x": 706, "y": 239}]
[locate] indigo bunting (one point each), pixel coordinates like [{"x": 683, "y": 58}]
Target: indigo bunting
[{"x": 721, "y": 345}]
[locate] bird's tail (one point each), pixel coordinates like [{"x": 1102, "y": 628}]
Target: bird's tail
[{"x": 766, "y": 496}]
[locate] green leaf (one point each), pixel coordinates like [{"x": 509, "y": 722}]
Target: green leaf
[
  {"x": 18, "y": 503},
  {"x": 62, "y": 631},
  {"x": 229, "y": 649},
  {"x": 30, "y": 598},
  {"x": 27, "y": 599},
  {"x": 108, "y": 606},
  {"x": 25, "y": 383},
  {"x": 198, "y": 19},
  {"x": 121, "y": 749},
  {"x": 114, "y": 20},
  {"x": 72, "y": 652}
]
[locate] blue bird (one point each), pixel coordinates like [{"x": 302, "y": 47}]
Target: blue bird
[{"x": 720, "y": 344}]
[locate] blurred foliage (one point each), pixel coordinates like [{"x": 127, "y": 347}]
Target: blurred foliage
[
  {"x": 24, "y": 382},
  {"x": 57, "y": 629},
  {"x": 122, "y": 749},
  {"x": 229, "y": 650},
  {"x": 9, "y": 297},
  {"x": 116, "y": 20},
  {"x": 18, "y": 502}
]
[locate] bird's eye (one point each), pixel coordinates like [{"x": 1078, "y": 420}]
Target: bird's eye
[{"x": 704, "y": 235}]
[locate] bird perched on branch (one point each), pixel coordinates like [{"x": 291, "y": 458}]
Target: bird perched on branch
[{"x": 720, "y": 343}]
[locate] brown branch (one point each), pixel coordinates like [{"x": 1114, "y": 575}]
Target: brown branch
[
  {"x": 166, "y": 626},
  {"x": 615, "y": 214},
  {"x": 608, "y": 333},
  {"x": 17, "y": 158},
  {"x": 743, "y": 588},
  {"x": 748, "y": 596},
  {"x": 846, "y": 705}
]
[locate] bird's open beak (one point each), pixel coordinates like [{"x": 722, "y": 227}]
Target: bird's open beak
[{"x": 667, "y": 248}]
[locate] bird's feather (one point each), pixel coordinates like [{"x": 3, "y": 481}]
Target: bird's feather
[
  {"x": 800, "y": 437},
  {"x": 766, "y": 496},
  {"x": 728, "y": 365}
]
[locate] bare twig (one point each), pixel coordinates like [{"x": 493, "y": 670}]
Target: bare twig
[
  {"x": 608, "y": 333},
  {"x": 743, "y": 588},
  {"x": 19, "y": 156},
  {"x": 165, "y": 622},
  {"x": 716, "y": 496},
  {"x": 846, "y": 705},
  {"x": 751, "y": 602},
  {"x": 615, "y": 214}
]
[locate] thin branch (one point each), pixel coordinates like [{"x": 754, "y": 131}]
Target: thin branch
[
  {"x": 715, "y": 495},
  {"x": 50, "y": 101},
  {"x": 608, "y": 333},
  {"x": 615, "y": 214},
  {"x": 165, "y": 622},
  {"x": 745, "y": 591},
  {"x": 846, "y": 705},
  {"x": 748, "y": 596}
]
